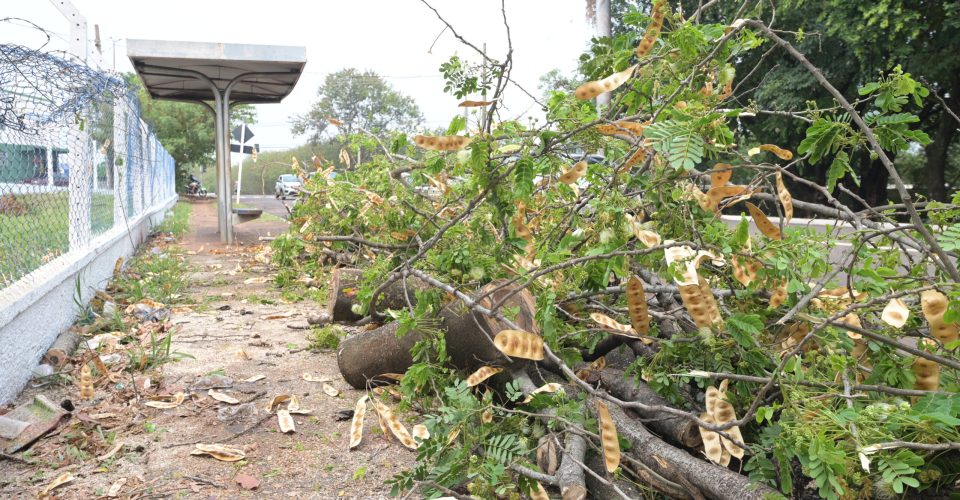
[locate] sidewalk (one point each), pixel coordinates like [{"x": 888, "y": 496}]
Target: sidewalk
[{"x": 238, "y": 328}]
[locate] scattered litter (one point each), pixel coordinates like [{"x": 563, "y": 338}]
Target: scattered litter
[
  {"x": 310, "y": 378},
  {"x": 221, "y": 452},
  {"x": 211, "y": 382}
]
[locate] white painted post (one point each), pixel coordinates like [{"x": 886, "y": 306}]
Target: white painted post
[
  {"x": 119, "y": 158},
  {"x": 78, "y": 27},
  {"x": 50, "y": 163},
  {"x": 81, "y": 167},
  {"x": 243, "y": 132},
  {"x": 139, "y": 169}
]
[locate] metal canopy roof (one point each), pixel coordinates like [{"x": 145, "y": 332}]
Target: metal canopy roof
[{"x": 170, "y": 70}]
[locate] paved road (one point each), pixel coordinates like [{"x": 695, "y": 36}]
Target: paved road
[{"x": 268, "y": 204}]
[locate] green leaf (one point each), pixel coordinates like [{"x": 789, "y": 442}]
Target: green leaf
[
  {"x": 823, "y": 137},
  {"x": 838, "y": 169}
]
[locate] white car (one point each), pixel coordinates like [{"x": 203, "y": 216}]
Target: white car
[{"x": 287, "y": 185}]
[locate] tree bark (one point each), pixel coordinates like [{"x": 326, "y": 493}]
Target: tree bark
[
  {"x": 470, "y": 335},
  {"x": 364, "y": 356},
  {"x": 469, "y": 340},
  {"x": 570, "y": 475},
  {"x": 343, "y": 290},
  {"x": 62, "y": 348},
  {"x": 676, "y": 430},
  {"x": 680, "y": 467},
  {"x": 938, "y": 150},
  {"x": 343, "y": 285}
]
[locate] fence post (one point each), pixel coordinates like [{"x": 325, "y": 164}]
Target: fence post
[
  {"x": 119, "y": 158},
  {"x": 80, "y": 185}
]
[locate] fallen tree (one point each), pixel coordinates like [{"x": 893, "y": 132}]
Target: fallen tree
[{"x": 747, "y": 359}]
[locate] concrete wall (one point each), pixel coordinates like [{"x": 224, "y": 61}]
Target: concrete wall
[{"x": 35, "y": 309}]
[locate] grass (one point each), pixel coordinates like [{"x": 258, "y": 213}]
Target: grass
[
  {"x": 41, "y": 234},
  {"x": 159, "y": 275},
  {"x": 327, "y": 337}
]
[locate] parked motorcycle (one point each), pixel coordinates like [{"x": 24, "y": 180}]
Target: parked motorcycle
[{"x": 194, "y": 188}]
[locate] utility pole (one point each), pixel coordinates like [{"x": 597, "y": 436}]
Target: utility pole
[{"x": 602, "y": 22}]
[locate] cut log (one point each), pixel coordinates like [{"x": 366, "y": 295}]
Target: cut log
[
  {"x": 600, "y": 490},
  {"x": 469, "y": 339},
  {"x": 344, "y": 283},
  {"x": 570, "y": 475},
  {"x": 62, "y": 348},
  {"x": 343, "y": 288},
  {"x": 364, "y": 356},
  {"x": 682, "y": 468},
  {"x": 677, "y": 430},
  {"x": 470, "y": 335}
]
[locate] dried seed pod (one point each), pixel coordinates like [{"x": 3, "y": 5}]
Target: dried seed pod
[
  {"x": 592, "y": 89},
  {"x": 707, "y": 203},
  {"x": 779, "y": 295},
  {"x": 442, "y": 142},
  {"x": 611, "y": 325},
  {"x": 927, "y": 374},
  {"x": 420, "y": 432},
  {"x": 223, "y": 398},
  {"x": 551, "y": 387},
  {"x": 785, "y": 198},
  {"x": 285, "y": 421},
  {"x": 397, "y": 428},
  {"x": 712, "y": 447},
  {"x": 710, "y": 301},
  {"x": 221, "y": 452},
  {"x": 86, "y": 382},
  {"x": 720, "y": 175},
  {"x": 174, "y": 401},
  {"x": 576, "y": 172},
  {"x": 521, "y": 229},
  {"x": 647, "y": 237},
  {"x": 621, "y": 127},
  {"x": 653, "y": 29},
  {"x": 934, "y": 305},
  {"x": 638, "y": 156},
  {"x": 696, "y": 305},
  {"x": 746, "y": 271},
  {"x": 487, "y": 416},
  {"x": 727, "y": 89},
  {"x": 763, "y": 223},
  {"x": 781, "y": 153},
  {"x": 538, "y": 493},
  {"x": 482, "y": 373},
  {"x": 895, "y": 313},
  {"x": 724, "y": 413},
  {"x": 548, "y": 457},
  {"x": 356, "y": 426},
  {"x": 637, "y": 306},
  {"x": 520, "y": 344},
  {"x": 608, "y": 437},
  {"x": 715, "y": 194},
  {"x": 474, "y": 104}
]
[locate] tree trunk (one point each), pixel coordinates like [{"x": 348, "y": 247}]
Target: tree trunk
[
  {"x": 680, "y": 467},
  {"x": 938, "y": 150},
  {"x": 364, "y": 356},
  {"x": 873, "y": 181},
  {"x": 470, "y": 335},
  {"x": 468, "y": 338},
  {"x": 343, "y": 290},
  {"x": 677, "y": 430}
]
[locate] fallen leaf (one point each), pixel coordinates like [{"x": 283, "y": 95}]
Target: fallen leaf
[
  {"x": 60, "y": 480},
  {"x": 356, "y": 426},
  {"x": 113, "y": 451},
  {"x": 247, "y": 481},
  {"x": 242, "y": 354},
  {"x": 115, "y": 488},
  {"x": 330, "y": 390},
  {"x": 310, "y": 378},
  {"x": 285, "y": 421},
  {"x": 223, "y": 398},
  {"x": 167, "y": 402},
  {"x": 255, "y": 281},
  {"x": 279, "y": 315},
  {"x": 220, "y": 452},
  {"x": 254, "y": 378},
  {"x": 277, "y": 400}
]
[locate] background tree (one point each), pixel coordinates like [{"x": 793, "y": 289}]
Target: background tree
[
  {"x": 359, "y": 100},
  {"x": 185, "y": 130}
]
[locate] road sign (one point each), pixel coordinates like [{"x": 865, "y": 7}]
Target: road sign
[
  {"x": 247, "y": 134},
  {"x": 235, "y": 148}
]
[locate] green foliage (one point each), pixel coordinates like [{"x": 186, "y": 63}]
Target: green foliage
[
  {"x": 326, "y": 337},
  {"x": 360, "y": 100}
]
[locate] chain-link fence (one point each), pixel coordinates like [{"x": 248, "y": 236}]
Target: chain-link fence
[{"x": 76, "y": 159}]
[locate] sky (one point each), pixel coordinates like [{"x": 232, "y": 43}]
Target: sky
[{"x": 402, "y": 40}]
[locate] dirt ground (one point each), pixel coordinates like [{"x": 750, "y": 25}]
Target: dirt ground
[{"x": 238, "y": 327}]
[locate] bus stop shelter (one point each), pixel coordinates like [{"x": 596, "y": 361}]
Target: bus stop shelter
[{"x": 218, "y": 75}]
